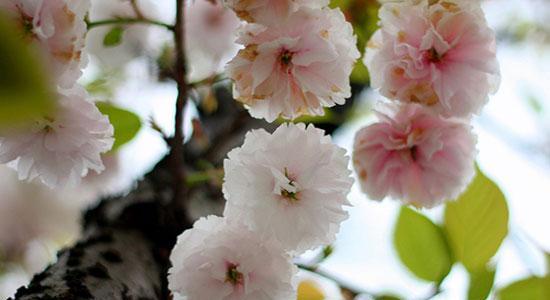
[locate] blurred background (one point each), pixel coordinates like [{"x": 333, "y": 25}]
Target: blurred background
[{"x": 513, "y": 131}]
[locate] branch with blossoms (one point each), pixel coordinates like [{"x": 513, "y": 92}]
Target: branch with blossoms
[{"x": 285, "y": 183}]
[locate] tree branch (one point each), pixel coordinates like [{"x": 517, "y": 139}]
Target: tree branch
[{"x": 181, "y": 81}]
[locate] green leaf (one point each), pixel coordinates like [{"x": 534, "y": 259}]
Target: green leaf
[
  {"x": 477, "y": 223},
  {"x": 387, "y": 297},
  {"x": 125, "y": 123},
  {"x": 481, "y": 284},
  {"x": 421, "y": 246},
  {"x": 113, "y": 37},
  {"x": 25, "y": 92},
  {"x": 327, "y": 251},
  {"x": 532, "y": 288},
  {"x": 535, "y": 104},
  {"x": 360, "y": 73}
]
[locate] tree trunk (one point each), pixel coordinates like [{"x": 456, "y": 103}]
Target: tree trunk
[{"x": 124, "y": 250}]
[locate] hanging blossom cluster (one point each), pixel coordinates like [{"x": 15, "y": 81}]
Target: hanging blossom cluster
[
  {"x": 297, "y": 58},
  {"x": 286, "y": 191},
  {"x": 436, "y": 61},
  {"x": 58, "y": 148}
]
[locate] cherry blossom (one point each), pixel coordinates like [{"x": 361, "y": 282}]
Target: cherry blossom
[
  {"x": 291, "y": 185},
  {"x": 210, "y": 37},
  {"x": 59, "y": 149},
  {"x": 222, "y": 259},
  {"x": 295, "y": 67},
  {"x": 440, "y": 54},
  {"x": 269, "y": 12},
  {"x": 414, "y": 156},
  {"x": 31, "y": 212},
  {"x": 58, "y": 28}
]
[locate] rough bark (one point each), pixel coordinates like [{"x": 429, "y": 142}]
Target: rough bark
[
  {"x": 123, "y": 253},
  {"x": 126, "y": 241}
]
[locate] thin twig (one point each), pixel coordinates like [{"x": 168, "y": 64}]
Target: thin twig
[
  {"x": 208, "y": 81},
  {"x": 136, "y": 9},
  {"x": 127, "y": 21},
  {"x": 344, "y": 287}
]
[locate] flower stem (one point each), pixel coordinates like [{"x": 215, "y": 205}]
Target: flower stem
[{"x": 127, "y": 21}]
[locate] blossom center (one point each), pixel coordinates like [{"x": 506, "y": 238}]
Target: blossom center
[
  {"x": 233, "y": 275},
  {"x": 433, "y": 56},
  {"x": 26, "y": 23},
  {"x": 285, "y": 57},
  {"x": 414, "y": 152},
  {"x": 290, "y": 192}
]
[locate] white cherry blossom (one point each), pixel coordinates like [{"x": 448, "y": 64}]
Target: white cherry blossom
[{"x": 291, "y": 185}]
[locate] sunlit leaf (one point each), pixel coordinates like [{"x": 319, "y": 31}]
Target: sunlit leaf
[
  {"x": 309, "y": 290},
  {"x": 113, "y": 37},
  {"x": 481, "y": 283},
  {"x": 25, "y": 92},
  {"x": 477, "y": 223},
  {"x": 125, "y": 123},
  {"x": 532, "y": 288},
  {"x": 421, "y": 246}
]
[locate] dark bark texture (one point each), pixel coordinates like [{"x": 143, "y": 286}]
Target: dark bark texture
[{"x": 126, "y": 242}]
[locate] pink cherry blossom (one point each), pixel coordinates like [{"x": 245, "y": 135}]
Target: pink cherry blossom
[
  {"x": 269, "y": 12},
  {"x": 58, "y": 28},
  {"x": 59, "y": 149},
  {"x": 414, "y": 156},
  {"x": 441, "y": 55},
  {"x": 222, "y": 259},
  {"x": 210, "y": 33},
  {"x": 295, "y": 67}
]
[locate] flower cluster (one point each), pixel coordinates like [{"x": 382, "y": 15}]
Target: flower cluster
[
  {"x": 296, "y": 58},
  {"x": 437, "y": 60},
  {"x": 60, "y": 147},
  {"x": 286, "y": 191},
  {"x": 278, "y": 205}
]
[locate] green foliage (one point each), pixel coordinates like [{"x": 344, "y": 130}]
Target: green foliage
[
  {"x": 535, "y": 104},
  {"x": 25, "y": 93},
  {"x": 363, "y": 15},
  {"x": 477, "y": 223},
  {"x": 532, "y": 288},
  {"x": 387, "y": 297},
  {"x": 113, "y": 37},
  {"x": 481, "y": 283},
  {"x": 125, "y": 123},
  {"x": 327, "y": 251},
  {"x": 421, "y": 246}
]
